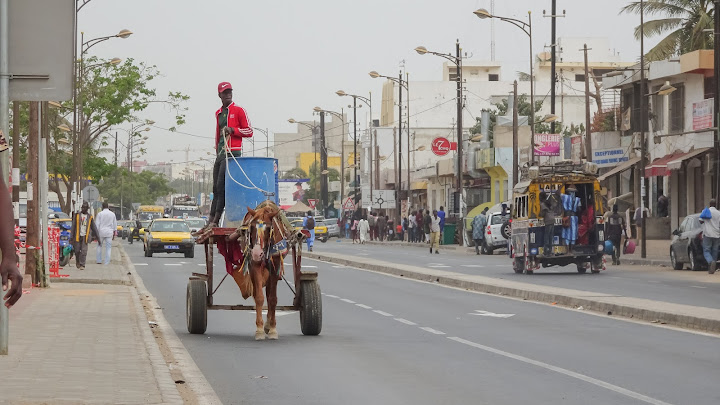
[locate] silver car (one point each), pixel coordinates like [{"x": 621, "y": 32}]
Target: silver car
[{"x": 333, "y": 228}]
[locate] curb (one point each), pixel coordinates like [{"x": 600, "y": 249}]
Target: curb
[
  {"x": 91, "y": 281},
  {"x": 563, "y": 299},
  {"x": 181, "y": 359}
]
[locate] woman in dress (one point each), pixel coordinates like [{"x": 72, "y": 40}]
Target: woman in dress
[{"x": 363, "y": 229}]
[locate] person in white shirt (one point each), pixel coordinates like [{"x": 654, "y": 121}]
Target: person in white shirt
[
  {"x": 711, "y": 236},
  {"x": 107, "y": 226},
  {"x": 434, "y": 231}
]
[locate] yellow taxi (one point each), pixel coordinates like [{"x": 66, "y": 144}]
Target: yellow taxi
[
  {"x": 141, "y": 232},
  {"x": 168, "y": 235},
  {"x": 321, "y": 231}
]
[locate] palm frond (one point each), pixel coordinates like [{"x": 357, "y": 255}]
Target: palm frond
[
  {"x": 665, "y": 7},
  {"x": 657, "y": 27},
  {"x": 666, "y": 48}
]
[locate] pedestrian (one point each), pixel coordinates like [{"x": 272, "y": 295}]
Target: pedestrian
[
  {"x": 354, "y": 230},
  {"x": 426, "y": 225},
  {"x": 231, "y": 126},
  {"x": 614, "y": 229},
  {"x": 402, "y": 229},
  {"x": 419, "y": 232},
  {"x": 136, "y": 231},
  {"x": 478, "y": 229},
  {"x": 412, "y": 224},
  {"x": 662, "y": 206},
  {"x": 434, "y": 232},
  {"x": 372, "y": 223},
  {"x": 630, "y": 221},
  {"x": 639, "y": 219},
  {"x": 710, "y": 220},
  {"x": 83, "y": 232},
  {"x": 363, "y": 229},
  {"x": 9, "y": 271},
  {"x": 347, "y": 227},
  {"x": 309, "y": 224},
  {"x": 381, "y": 223},
  {"x": 441, "y": 215},
  {"x": 107, "y": 228}
]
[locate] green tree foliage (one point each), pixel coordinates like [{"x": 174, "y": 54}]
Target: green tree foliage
[
  {"x": 129, "y": 187},
  {"x": 295, "y": 173},
  {"x": 682, "y": 23}
]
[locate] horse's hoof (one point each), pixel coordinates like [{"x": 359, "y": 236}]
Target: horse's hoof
[
  {"x": 259, "y": 335},
  {"x": 267, "y": 329},
  {"x": 273, "y": 335}
]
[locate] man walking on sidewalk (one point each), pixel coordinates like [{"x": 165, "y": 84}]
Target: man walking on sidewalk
[
  {"x": 441, "y": 215},
  {"x": 107, "y": 226},
  {"x": 372, "y": 223},
  {"x": 710, "y": 219},
  {"x": 380, "y": 224},
  {"x": 478, "y": 229},
  {"x": 83, "y": 225},
  {"x": 614, "y": 228},
  {"x": 434, "y": 232}
]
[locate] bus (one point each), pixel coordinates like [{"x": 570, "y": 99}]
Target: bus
[
  {"x": 149, "y": 212},
  {"x": 184, "y": 206}
]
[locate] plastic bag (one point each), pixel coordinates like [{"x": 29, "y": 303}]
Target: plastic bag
[{"x": 706, "y": 214}]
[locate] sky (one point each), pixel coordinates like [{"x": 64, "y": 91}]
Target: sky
[{"x": 284, "y": 57}]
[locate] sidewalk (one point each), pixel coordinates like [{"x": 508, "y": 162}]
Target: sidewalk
[
  {"x": 684, "y": 316},
  {"x": 85, "y": 340}
]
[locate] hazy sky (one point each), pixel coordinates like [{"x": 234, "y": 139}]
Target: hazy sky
[{"x": 284, "y": 57}]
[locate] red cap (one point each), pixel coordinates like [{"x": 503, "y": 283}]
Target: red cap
[{"x": 224, "y": 86}]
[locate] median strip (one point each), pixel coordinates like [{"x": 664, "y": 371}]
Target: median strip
[{"x": 657, "y": 312}]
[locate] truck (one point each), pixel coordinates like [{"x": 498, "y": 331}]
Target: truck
[
  {"x": 184, "y": 206},
  {"x": 149, "y": 212},
  {"x": 576, "y": 182}
]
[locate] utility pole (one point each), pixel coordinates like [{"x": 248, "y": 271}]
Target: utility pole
[
  {"x": 553, "y": 58},
  {"x": 588, "y": 132},
  {"x": 355, "y": 159},
  {"x": 643, "y": 121},
  {"x": 716, "y": 143},
  {"x": 342, "y": 160},
  {"x": 323, "y": 166},
  {"x": 116, "y": 143},
  {"x": 33, "y": 223},
  {"x": 398, "y": 164},
  {"x": 407, "y": 91},
  {"x": 515, "y": 136},
  {"x": 458, "y": 59},
  {"x": 16, "y": 160}
]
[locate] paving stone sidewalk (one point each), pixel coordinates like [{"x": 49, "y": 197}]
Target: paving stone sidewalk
[{"x": 80, "y": 343}]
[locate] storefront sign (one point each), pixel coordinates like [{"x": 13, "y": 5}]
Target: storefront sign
[
  {"x": 547, "y": 144},
  {"x": 609, "y": 157},
  {"x": 440, "y": 146},
  {"x": 703, "y": 114}
]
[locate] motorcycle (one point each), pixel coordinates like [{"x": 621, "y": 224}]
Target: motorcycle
[{"x": 66, "y": 247}]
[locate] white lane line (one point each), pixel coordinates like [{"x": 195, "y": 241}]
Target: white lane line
[
  {"x": 490, "y": 314},
  {"x": 697, "y": 286},
  {"x": 431, "y": 330},
  {"x": 347, "y": 300},
  {"x": 438, "y": 266},
  {"x": 331, "y": 296},
  {"x": 381, "y": 313},
  {"x": 309, "y": 267},
  {"x": 572, "y": 374},
  {"x": 140, "y": 264},
  {"x": 477, "y": 266},
  {"x": 363, "y": 306},
  {"x": 173, "y": 264},
  {"x": 201, "y": 264},
  {"x": 405, "y": 321}
]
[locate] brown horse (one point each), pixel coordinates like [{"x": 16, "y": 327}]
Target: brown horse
[{"x": 259, "y": 235}]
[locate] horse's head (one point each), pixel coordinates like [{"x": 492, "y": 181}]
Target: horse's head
[{"x": 260, "y": 223}]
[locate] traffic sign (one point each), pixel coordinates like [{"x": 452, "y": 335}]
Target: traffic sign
[
  {"x": 312, "y": 203},
  {"x": 440, "y": 146},
  {"x": 90, "y": 194},
  {"x": 349, "y": 204}
]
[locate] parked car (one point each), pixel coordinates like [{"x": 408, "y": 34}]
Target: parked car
[
  {"x": 686, "y": 245},
  {"x": 497, "y": 232},
  {"x": 332, "y": 227}
]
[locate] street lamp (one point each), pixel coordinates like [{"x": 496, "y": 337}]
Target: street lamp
[
  {"x": 267, "y": 139},
  {"x": 526, "y": 27},
  {"x": 368, "y": 101},
  {"x": 457, "y": 61},
  {"x": 341, "y": 116}
]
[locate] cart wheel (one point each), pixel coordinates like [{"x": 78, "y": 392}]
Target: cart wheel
[
  {"x": 310, "y": 308},
  {"x": 196, "y": 307}
]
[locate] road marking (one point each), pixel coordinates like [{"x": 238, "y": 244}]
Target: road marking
[
  {"x": 381, "y": 312},
  {"x": 490, "y": 314},
  {"x": 339, "y": 267},
  {"x": 563, "y": 371},
  {"x": 201, "y": 264},
  {"x": 431, "y": 330},
  {"x": 173, "y": 264},
  {"x": 347, "y": 300},
  {"x": 309, "y": 267},
  {"x": 140, "y": 264},
  {"x": 472, "y": 265},
  {"x": 405, "y": 321},
  {"x": 437, "y": 265},
  {"x": 363, "y": 306},
  {"x": 697, "y": 286},
  {"x": 331, "y": 296}
]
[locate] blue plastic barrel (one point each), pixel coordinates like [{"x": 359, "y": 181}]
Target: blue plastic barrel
[{"x": 248, "y": 182}]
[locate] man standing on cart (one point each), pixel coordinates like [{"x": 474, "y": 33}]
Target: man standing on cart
[{"x": 232, "y": 125}]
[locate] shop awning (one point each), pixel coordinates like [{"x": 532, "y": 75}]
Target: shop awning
[
  {"x": 663, "y": 165},
  {"x": 418, "y": 185},
  {"x": 620, "y": 168},
  {"x": 677, "y": 163}
]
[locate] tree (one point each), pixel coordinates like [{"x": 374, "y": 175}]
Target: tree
[
  {"x": 123, "y": 186},
  {"x": 683, "y": 25},
  {"x": 501, "y": 108},
  {"x": 295, "y": 173}
]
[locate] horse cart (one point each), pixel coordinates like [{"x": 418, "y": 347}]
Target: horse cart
[{"x": 254, "y": 244}]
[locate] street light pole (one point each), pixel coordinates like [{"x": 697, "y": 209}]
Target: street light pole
[
  {"x": 716, "y": 143},
  {"x": 368, "y": 102},
  {"x": 643, "y": 122},
  {"x": 398, "y": 186}
]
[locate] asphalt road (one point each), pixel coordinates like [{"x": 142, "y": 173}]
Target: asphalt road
[
  {"x": 388, "y": 340},
  {"x": 680, "y": 287}
]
